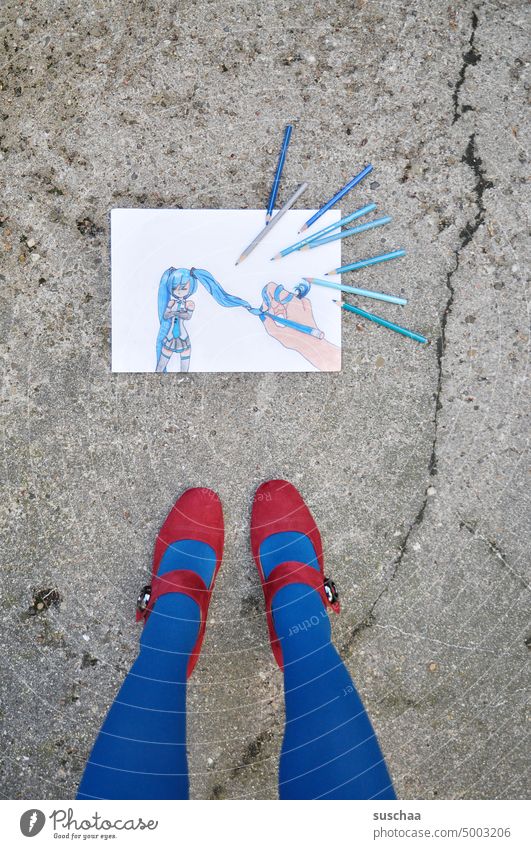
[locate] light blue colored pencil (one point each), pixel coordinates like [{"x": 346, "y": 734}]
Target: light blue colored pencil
[
  {"x": 378, "y": 222},
  {"x": 364, "y": 210},
  {"x": 365, "y": 293},
  {"x": 389, "y": 324},
  {"x": 363, "y": 263}
]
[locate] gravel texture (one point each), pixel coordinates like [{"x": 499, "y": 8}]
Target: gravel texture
[{"x": 412, "y": 458}]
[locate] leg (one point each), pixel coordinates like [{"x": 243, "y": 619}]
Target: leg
[
  {"x": 140, "y": 752},
  {"x": 330, "y": 750},
  {"x": 185, "y": 359},
  {"x": 165, "y": 357}
]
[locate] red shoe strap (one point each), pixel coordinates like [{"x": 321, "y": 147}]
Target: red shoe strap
[
  {"x": 183, "y": 581},
  {"x": 292, "y": 572}
]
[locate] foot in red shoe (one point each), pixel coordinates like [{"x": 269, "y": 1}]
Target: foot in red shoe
[
  {"x": 187, "y": 557},
  {"x": 287, "y": 549}
]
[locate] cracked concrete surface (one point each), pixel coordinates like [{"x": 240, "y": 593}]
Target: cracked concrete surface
[{"x": 412, "y": 459}]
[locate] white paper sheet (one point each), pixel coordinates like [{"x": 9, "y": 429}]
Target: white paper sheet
[{"x": 146, "y": 242}]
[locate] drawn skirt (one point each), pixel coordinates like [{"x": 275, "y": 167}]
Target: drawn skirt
[{"x": 176, "y": 344}]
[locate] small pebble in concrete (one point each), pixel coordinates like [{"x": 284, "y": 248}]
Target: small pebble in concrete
[{"x": 43, "y": 599}]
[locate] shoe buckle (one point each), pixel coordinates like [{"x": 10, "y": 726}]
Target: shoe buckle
[
  {"x": 331, "y": 591},
  {"x": 143, "y": 598}
]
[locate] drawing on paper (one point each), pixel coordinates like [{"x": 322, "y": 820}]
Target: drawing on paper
[{"x": 180, "y": 304}]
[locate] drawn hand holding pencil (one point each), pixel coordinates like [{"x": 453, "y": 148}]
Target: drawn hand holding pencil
[{"x": 285, "y": 315}]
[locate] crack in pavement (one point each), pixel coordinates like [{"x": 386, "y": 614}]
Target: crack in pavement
[
  {"x": 494, "y": 548},
  {"x": 474, "y": 162},
  {"x": 370, "y": 619},
  {"x": 471, "y": 57},
  {"x": 466, "y": 235}
]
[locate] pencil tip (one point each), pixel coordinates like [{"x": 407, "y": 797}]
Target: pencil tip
[
  {"x": 237, "y": 261},
  {"x": 303, "y": 228}
]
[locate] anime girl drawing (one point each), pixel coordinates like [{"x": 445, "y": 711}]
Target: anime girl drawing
[
  {"x": 176, "y": 287},
  {"x": 286, "y": 316},
  {"x": 175, "y": 308}
]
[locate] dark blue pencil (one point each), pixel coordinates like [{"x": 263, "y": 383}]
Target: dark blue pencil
[
  {"x": 341, "y": 193},
  {"x": 278, "y": 174}
]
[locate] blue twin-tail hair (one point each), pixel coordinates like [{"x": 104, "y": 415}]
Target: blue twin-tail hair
[{"x": 175, "y": 277}]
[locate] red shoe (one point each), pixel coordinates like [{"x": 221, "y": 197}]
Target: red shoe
[
  {"x": 279, "y": 507},
  {"x": 196, "y": 515}
]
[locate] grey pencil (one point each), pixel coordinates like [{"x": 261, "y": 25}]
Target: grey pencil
[{"x": 267, "y": 229}]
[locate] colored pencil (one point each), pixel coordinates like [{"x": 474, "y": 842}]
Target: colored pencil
[
  {"x": 365, "y": 293},
  {"x": 341, "y": 193},
  {"x": 378, "y": 320},
  {"x": 312, "y": 331},
  {"x": 362, "y": 263},
  {"x": 280, "y": 165},
  {"x": 364, "y": 210},
  {"x": 276, "y": 218},
  {"x": 378, "y": 222}
]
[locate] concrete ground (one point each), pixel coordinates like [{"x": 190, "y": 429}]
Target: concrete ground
[{"x": 412, "y": 458}]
